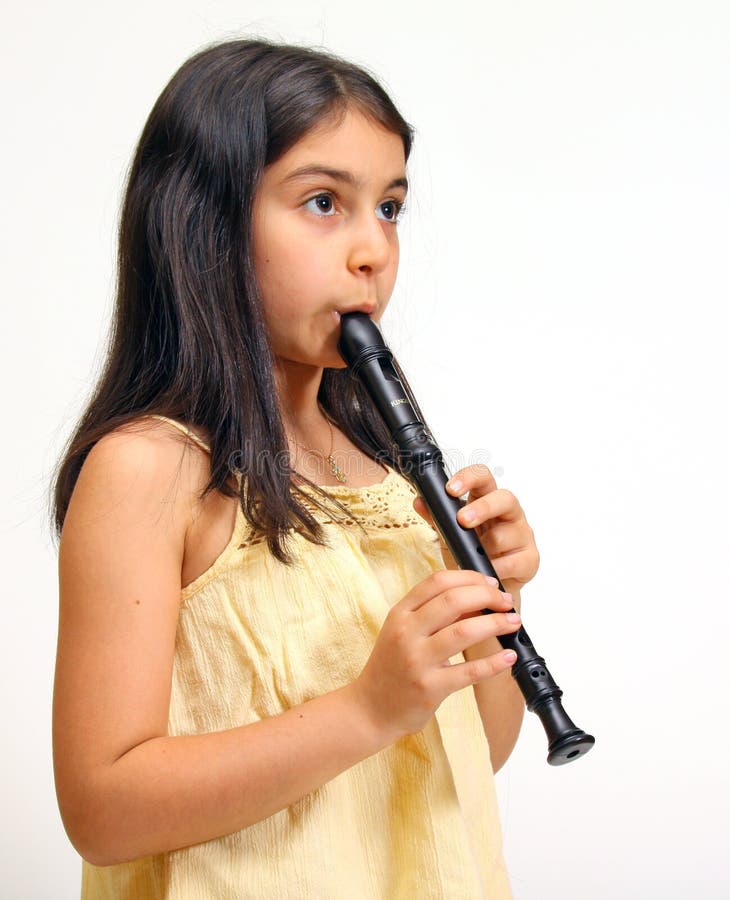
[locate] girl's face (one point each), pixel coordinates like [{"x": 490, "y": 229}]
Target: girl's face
[{"x": 325, "y": 234}]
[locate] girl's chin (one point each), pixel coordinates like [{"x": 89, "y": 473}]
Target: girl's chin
[
  {"x": 325, "y": 361},
  {"x": 336, "y": 362},
  {"x": 320, "y": 355}
]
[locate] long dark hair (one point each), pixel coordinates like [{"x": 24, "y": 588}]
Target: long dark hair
[{"x": 188, "y": 338}]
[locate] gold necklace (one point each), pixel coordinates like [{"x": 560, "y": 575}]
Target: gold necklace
[{"x": 334, "y": 468}]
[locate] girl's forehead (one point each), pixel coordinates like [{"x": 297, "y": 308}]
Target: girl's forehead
[{"x": 350, "y": 142}]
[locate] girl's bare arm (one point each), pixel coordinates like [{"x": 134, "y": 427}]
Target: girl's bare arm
[{"x": 501, "y": 704}]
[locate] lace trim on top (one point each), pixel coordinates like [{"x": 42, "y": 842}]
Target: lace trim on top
[{"x": 387, "y": 504}]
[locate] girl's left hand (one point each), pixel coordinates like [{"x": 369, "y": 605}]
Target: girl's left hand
[{"x": 498, "y": 520}]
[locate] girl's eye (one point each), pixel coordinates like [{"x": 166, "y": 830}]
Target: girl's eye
[
  {"x": 321, "y": 205},
  {"x": 389, "y": 210}
]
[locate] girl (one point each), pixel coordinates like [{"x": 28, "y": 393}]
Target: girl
[{"x": 258, "y": 685}]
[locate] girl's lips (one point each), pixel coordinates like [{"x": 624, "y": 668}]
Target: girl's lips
[{"x": 366, "y": 308}]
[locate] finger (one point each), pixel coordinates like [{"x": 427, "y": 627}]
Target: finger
[
  {"x": 477, "y": 477},
  {"x": 500, "y": 503},
  {"x": 456, "y": 604},
  {"x": 506, "y": 537},
  {"x": 438, "y": 583},
  {"x": 519, "y": 567},
  {"x": 466, "y": 632},
  {"x": 461, "y": 675}
]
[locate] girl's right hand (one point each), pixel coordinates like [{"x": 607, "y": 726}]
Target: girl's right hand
[{"x": 408, "y": 673}]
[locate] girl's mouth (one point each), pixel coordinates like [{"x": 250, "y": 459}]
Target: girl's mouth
[{"x": 367, "y": 308}]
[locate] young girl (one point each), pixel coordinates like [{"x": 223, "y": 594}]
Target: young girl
[{"x": 259, "y": 684}]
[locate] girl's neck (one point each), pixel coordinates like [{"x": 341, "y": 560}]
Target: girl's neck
[
  {"x": 313, "y": 437},
  {"x": 298, "y": 386}
]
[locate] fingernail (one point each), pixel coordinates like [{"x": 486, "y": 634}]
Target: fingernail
[
  {"x": 513, "y": 617},
  {"x": 468, "y": 516},
  {"x": 509, "y": 656},
  {"x": 507, "y": 596},
  {"x": 492, "y": 581},
  {"x": 456, "y": 486}
]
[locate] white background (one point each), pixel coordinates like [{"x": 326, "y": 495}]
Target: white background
[{"x": 561, "y": 316}]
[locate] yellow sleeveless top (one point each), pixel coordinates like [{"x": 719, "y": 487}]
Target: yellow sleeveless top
[{"x": 254, "y": 638}]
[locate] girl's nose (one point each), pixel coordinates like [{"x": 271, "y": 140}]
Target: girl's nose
[{"x": 371, "y": 248}]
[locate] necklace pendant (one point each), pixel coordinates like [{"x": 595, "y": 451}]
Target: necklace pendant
[{"x": 336, "y": 470}]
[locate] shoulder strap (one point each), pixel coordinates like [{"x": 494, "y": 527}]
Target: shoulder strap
[{"x": 185, "y": 430}]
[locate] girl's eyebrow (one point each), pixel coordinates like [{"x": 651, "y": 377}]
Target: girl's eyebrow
[{"x": 340, "y": 175}]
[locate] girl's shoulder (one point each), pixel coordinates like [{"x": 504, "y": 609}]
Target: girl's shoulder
[
  {"x": 155, "y": 441},
  {"x": 140, "y": 496},
  {"x": 169, "y": 462},
  {"x": 146, "y": 463},
  {"x": 159, "y": 446},
  {"x": 159, "y": 432}
]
